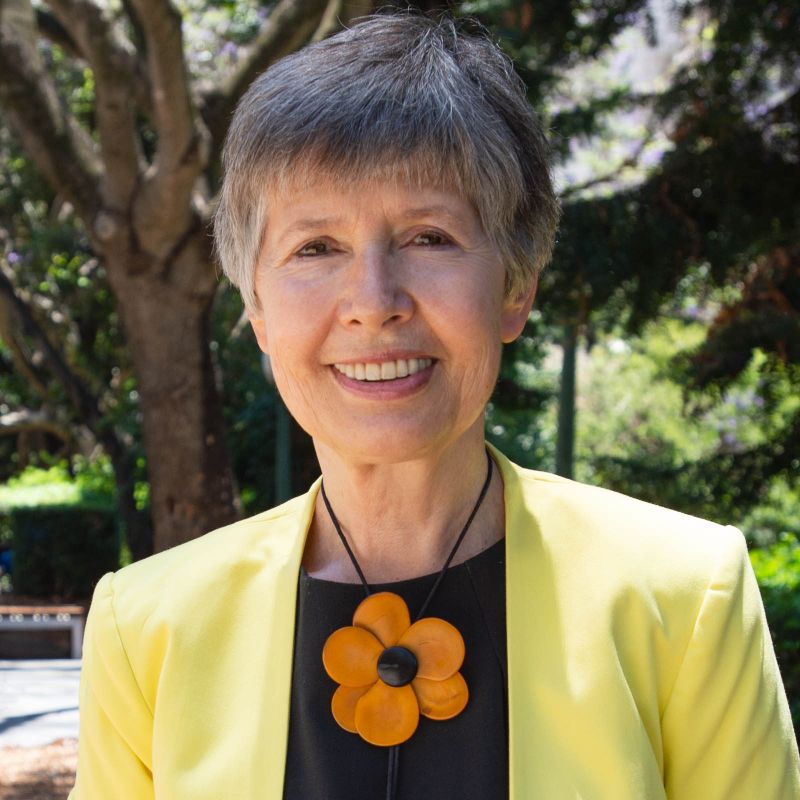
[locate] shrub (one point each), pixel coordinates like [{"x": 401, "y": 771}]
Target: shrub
[
  {"x": 63, "y": 534},
  {"x": 777, "y": 569}
]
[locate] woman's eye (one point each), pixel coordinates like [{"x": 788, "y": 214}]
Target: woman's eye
[
  {"x": 313, "y": 249},
  {"x": 430, "y": 239}
]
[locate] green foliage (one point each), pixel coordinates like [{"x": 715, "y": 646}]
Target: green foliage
[
  {"x": 250, "y": 411},
  {"x": 248, "y": 402},
  {"x": 62, "y": 550},
  {"x": 525, "y": 389},
  {"x": 90, "y": 485},
  {"x": 722, "y": 459},
  {"x": 214, "y": 32},
  {"x": 714, "y": 198},
  {"x": 776, "y": 514},
  {"x": 67, "y": 293},
  {"x": 74, "y": 80},
  {"x": 777, "y": 569},
  {"x": 90, "y": 481},
  {"x": 545, "y": 38},
  {"x": 704, "y": 418},
  {"x": 62, "y": 530}
]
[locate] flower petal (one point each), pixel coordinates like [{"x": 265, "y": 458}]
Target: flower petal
[
  {"x": 385, "y": 615},
  {"x": 387, "y": 715},
  {"x": 438, "y": 646},
  {"x": 350, "y": 656},
  {"x": 441, "y": 699},
  {"x": 343, "y": 705}
]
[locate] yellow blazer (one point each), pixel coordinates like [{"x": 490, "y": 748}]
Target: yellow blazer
[{"x": 639, "y": 660}]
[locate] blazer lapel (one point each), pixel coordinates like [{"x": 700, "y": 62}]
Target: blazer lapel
[
  {"x": 523, "y": 552},
  {"x": 287, "y": 537}
]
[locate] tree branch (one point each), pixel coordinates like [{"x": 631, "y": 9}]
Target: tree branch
[
  {"x": 330, "y": 22},
  {"x": 172, "y": 105},
  {"x": 117, "y": 75},
  {"x": 290, "y": 25},
  {"x": 630, "y": 162},
  {"x": 25, "y": 421},
  {"x": 59, "y": 30},
  {"x": 61, "y": 149},
  {"x": 339, "y": 14},
  {"x": 82, "y": 400},
  {"x": 163, "y": 205},
  {"x": 87, "y": 409},
  {"x": 21, "y": 360},
  {"x": 53, "y": 30}
]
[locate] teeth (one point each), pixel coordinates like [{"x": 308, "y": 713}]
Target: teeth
[
  {"x": 385, "y": 370},
  {"x": 388, "y": 371}
]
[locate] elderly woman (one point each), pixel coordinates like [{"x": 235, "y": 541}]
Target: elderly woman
[{"x": 429, "y": 620}]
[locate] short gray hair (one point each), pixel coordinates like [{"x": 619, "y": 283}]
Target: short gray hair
[{"x": 396, "y": 95}]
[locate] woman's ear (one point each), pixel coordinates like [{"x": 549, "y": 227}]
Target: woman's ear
[
  {"x": 260, "y": 330},
  {"x": 516, "y": 308}
]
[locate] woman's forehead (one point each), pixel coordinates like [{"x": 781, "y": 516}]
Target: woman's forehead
[
  {"x": 414, "y": 172},
  {"x": 328, "y": 203}
]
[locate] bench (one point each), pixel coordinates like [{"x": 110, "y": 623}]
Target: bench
[{"x": 30, "y": 618}]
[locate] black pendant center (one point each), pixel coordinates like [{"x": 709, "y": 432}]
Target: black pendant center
[{"x": 397, "y": 666}]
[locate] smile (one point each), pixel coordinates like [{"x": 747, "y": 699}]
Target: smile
[{"x": 385, "y": 370}]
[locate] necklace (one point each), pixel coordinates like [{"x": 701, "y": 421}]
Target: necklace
[{"x": 391, "y": 671}]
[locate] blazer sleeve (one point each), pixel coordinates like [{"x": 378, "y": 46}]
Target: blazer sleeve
[
  {"x": 727, "y": 730},
  {"x": 114, "y": 743}
]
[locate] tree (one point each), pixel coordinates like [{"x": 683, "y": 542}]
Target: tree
[
  {"x": 136, "y": 158},
  {"x": 65, "y": 377},
  {"x": 715, "y": 203},
  {"x": 140, "y": 172}
]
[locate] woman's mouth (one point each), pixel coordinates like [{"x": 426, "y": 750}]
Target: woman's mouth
[{"x": 384, "y": 370}]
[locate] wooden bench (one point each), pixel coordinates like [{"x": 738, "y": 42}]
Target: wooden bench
[{"x": 30, "y": 618}]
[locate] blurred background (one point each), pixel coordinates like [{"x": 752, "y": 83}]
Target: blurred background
[{"x": 662, "y": 358}]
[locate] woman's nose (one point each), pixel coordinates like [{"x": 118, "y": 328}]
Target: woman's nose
[{"x": 375, "y": 294}]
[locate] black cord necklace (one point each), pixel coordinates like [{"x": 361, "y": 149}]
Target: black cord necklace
[{"x": 393, "y": 668}]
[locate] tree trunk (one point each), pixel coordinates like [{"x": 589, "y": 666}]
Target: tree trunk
[
  {"x": 165, "y": 312},
  {"x": 565, "y": 437},
  {"x": 135, "y": 523},
  {"x": 145, "y": 214}
]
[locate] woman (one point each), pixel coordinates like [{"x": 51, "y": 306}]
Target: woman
[{"x": 429, "y": 620}]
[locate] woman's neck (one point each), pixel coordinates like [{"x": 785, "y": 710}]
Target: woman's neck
[{"x": 402, "y": 520}]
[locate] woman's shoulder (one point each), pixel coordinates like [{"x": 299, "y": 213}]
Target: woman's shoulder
[
  {"x": 151, "y": 619},
  {"x": 187, "y": 578},
  {"x": 634, "y": 540}
]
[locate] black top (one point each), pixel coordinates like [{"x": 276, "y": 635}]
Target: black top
[{"x": 465, "y": 757}]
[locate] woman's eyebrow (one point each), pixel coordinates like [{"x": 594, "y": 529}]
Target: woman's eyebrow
[
  {"x": 307, "y": 224},
  {"x": 434, "y": 210}
]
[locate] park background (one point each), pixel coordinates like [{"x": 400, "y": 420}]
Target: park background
[{"x": 662, "y": 358}]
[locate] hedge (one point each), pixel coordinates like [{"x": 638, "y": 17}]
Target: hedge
[{"x": 63, "y": 539}]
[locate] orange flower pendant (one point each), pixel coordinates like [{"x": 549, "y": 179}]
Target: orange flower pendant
[{"x": 391, "y": 671}]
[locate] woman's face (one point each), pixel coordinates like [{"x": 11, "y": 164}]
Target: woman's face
[{"x": 383, "y": 313}]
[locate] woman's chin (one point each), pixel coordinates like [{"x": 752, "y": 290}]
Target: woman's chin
[
  {"x": 394, "y": 448},
  {"x": 398, "y": 441}
]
